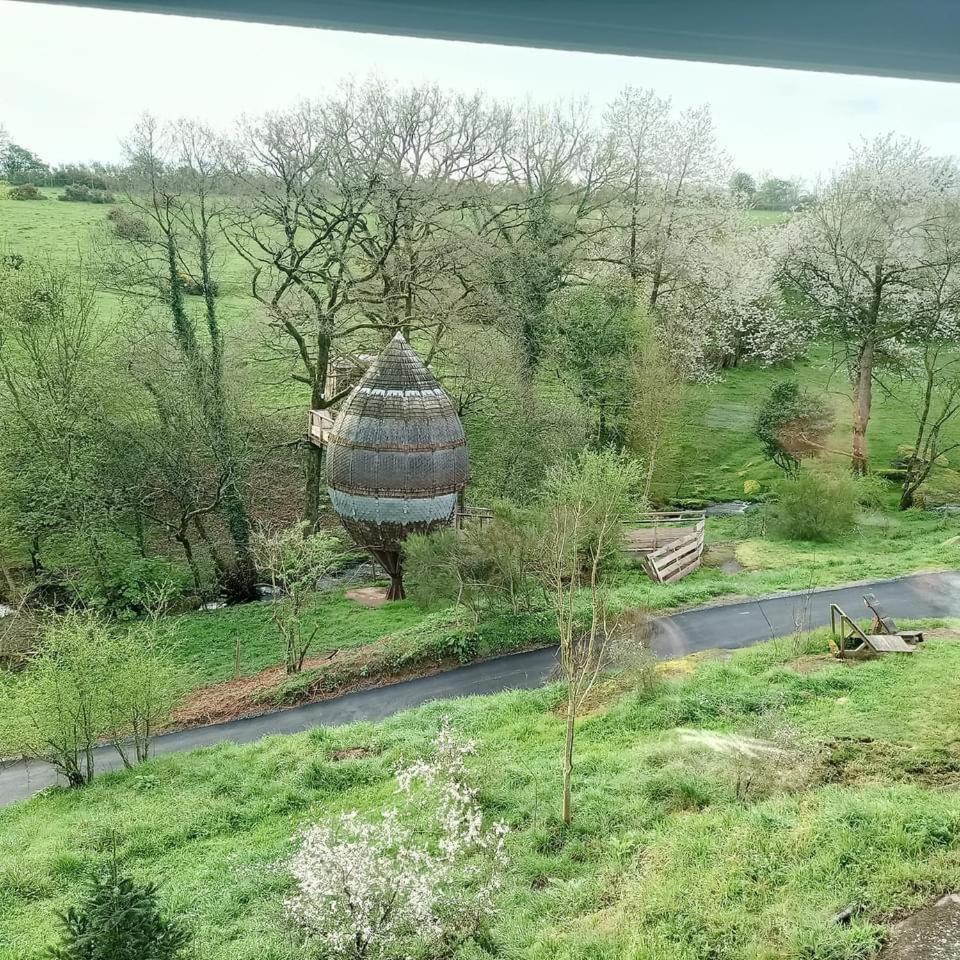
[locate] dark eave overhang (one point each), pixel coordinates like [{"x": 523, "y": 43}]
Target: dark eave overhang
[{"x": 902, "y": 38}]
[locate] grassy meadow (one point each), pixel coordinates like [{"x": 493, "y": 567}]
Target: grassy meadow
[
  {"x": 725, "y": 809},
  {"x": 688, "y": 841}
]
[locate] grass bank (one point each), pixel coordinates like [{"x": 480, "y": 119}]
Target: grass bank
[
  {"x": 361, "y": 646},
  {"x": 688, "y": 841}
]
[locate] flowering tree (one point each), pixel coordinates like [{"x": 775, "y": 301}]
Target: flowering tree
[
  {"x": 729, "y": 308},
  {"x": 932, "y": 368},
  {"x": 859, "y": 254},
  {"x": 372, "y": 889},
  {"x": 670, "y": 186}
]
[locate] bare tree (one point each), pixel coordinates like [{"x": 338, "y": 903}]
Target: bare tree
[
  {"x": 638, "y": 121},
  {"x": 352, "y": 222},
  {"x": 175, "y": 182},
  {"x": 587, "y": 504},
  {"x": 298, "y": 225}
]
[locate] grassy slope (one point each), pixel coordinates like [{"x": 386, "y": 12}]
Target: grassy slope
[
  {"x": 719, "y": 451},
  {"x": 717, "y": 454},
  {"x": 206, "y": 641},
  {"x": 678, "y": 852},
  {"x": 882, "y": 546}
]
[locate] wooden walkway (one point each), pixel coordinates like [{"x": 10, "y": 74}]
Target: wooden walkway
[{"x": 670, "y": 543}]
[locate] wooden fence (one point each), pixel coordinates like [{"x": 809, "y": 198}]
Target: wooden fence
[
  {"x": 670, "y": 542},
  {"x": 470, "y": 515}
]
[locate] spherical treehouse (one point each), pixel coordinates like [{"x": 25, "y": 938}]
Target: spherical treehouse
[{"x": 396, "y": 457}]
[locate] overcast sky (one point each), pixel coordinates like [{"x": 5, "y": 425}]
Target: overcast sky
[{"x": 73, "y": 81}]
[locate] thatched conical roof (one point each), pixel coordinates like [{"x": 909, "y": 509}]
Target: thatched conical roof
[{"x": 396, "y": 454}]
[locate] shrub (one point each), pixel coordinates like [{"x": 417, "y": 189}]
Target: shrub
[
  {"x": 751, "y": 488},
  {"x": 816, "y": 506},
  {"x": 12, "y": 261},
  {"x": 119, "y": 919},
  {"x": 25, "y": 191},
  {"x": 106, "y": 571},
  {"x": 792, "y": 425},
  {"x": 384, "y": 889},
  {"x": 433, "y": 570},
  {"x": 482, "y": 566},
  {"x": 128, "y": 226},
  {"x": 295, "y": 564},
  {"x": 81, "y": 193},
  {"x": 872, "y": 492},
  {"x": 88, "y": 684},
  {"x": 195, "y": 288},
  {"x": 71, "y": 174}
]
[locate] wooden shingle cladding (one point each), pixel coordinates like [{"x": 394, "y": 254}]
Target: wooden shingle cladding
[{"x": 396, "y": 457}]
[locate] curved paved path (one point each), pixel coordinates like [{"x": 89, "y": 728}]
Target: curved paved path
[{"x": 720, "y": 626}]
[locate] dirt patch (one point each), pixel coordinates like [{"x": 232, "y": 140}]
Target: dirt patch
[
  {"x": 240, "y": 697},
  {"x": 352, "y": 753},
  {"x": 816, "y": 662},
  {"x": 368, "y": 596},
  {"x": 723, "y": 557},
  {"x": 930, "y": 934},
  {"x": 858, "y": 760}
]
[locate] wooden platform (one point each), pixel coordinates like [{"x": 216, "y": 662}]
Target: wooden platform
[
  {"x": 848, "y": 641},
  {"x": 669, "y": 542}
]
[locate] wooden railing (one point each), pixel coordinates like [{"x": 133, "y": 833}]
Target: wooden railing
[
  {"x": 319, "y": 426},
  {"x": 465, "y": 515}
]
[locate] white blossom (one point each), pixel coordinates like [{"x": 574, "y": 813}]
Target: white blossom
[{"x": 427, "y": 870}]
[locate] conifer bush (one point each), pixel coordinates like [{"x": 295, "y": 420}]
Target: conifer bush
[{"x": 119, "y": 919}]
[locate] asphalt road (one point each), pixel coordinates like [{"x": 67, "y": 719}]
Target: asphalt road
[{"x": 722, "y": 626}]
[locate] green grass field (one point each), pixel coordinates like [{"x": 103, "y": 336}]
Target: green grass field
[
  {"x": 717, "y": 451},
  {"x": 711, "y": 459},
  {"x": 681, "y": 846},
  {"x": 882, "y": 545}
]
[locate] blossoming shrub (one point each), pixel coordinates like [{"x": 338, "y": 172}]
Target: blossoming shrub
[{"x": 419, "y": 880}]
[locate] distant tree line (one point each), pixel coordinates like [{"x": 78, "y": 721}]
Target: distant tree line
[{"x": 772, "y": 193}]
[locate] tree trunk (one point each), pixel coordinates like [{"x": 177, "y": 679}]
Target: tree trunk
[
  {"x": 215, "y": 555},
  {"x": 187, "y": 547},
  {"x": 862, "y": 402},
  {"x": 12, "y": 592},
  {"x": 243, "y": 582},
  {"x": 568, "y": 760},
  {"x": 655, "y": 282},
  {"x": 313, "y": 485}
]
